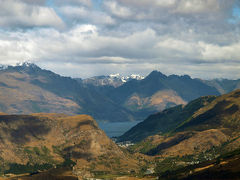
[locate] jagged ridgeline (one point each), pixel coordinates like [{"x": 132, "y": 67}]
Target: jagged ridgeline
[
  {"x": 205, "y": 123},
  {"x": 73, "y": 144},
  {"x": 200, "y": 140},
  {"x": 26, "y": 88}
]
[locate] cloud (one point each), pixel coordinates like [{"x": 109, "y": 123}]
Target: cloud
[
  {"x": 117, "y": 10},
  {"x": 35, "y": 2},
  {"x": 169, "y": 9},
  {"x": 83, "y": 14},
  {"x": 15, "y": 14},
  {"x": 222, "y": 53},
  {"x": 87, "y": 3},
  {"x": 198, "y": 6},
  {"x": 174, "y": 36},
  {"x": 145, "y": 4},
  {"x": 85, "y": 46}
]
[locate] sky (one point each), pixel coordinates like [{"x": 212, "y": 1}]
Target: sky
[{"x": 84, "y": 38}]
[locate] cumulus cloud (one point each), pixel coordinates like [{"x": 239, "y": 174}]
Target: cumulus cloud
[
  {"x": 174, "y": 36},
  {"x": 117, "y": 10},
  {"x": 73, "y": 2},
  {"x": 85, "y": 46},
  {"x": 15, "y": 13},
  {"x": 38, "y": 2},
  {"x": 169, "y": 9},
  {"x": 83, "y": 14}
]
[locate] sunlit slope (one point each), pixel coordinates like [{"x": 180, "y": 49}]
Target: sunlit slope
[
  {"x": 42, "y": 141},
  {"x": 208, "y": 124},
  {"x": 29, "y": 89}
]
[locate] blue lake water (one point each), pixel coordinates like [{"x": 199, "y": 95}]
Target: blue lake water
[{"x": 116, "y": 128}]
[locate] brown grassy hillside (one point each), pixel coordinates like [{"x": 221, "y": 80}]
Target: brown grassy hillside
[
  {"x": 212, "y": 127},
  {"x": 29, "y": 89},
  {"x": 42, "y": 141},
  {"x": 19, "y": 95}
]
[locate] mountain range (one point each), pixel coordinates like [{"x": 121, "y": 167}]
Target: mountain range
[
  {"x": 26, "y": 88},
  {"x": 193, "y": 130},
  {"x": 199, "y": 140},
  {"x": 114, "y": 80},
  {"x": 205, "y": 123},
  {"x": 193, "y": 141}
]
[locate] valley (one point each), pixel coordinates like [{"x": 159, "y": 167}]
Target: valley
[
  {"x": 53, "y": 126},
  {"x": 27, "y": 88},
  {"x": 75, "y": 144},
  {"x": 198, "y": 140},
  {"x": 119, "y": 90}
]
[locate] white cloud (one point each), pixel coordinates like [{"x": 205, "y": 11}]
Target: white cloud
[
  {"x": 174, "y": 36},
  {"x": 198, "y": 6},
  {"x": 148, "y": 3},
  {"x": 117, "y": 10},
  {"x": 85, "y": 46},
  {"x": 84, "y": 14},
  {"x": 161, "y": 10},
  {"x": 15, "y": 13},
  {"x": 87, "y": 3},
  {"x": 227, "y": 53},
  {"x": 38, "y": 2}
]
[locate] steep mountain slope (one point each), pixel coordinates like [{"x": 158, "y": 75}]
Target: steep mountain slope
[
  {"x": 42, "y": 141},
  {"x": 165, "y": 121},
  {"x": 158, "y": 91},
  {"x": 28, "y": 89},
  {"x": 191, "y": 130},
  {"x": 144, "y": 96},
  {"x": 223, "y": 112},
  {"x": 224, "y": 167},
  {"x": 224, "y": 85}
]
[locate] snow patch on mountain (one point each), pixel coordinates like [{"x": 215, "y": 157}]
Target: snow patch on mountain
[
  {"x": 3, "y": 67},
  {"x": 126, "y": 78},
  {"x": 114, "y": 80}
]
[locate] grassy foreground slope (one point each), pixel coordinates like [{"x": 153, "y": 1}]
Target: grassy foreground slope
[
  {"x": 206, "y": 124},
  {"x": 38, "y": 142},
  {"x": 165, "y": 121},
  {"x": 225, "y": 166}
]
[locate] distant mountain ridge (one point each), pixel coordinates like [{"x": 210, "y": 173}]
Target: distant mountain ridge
[
  {"x": 27, "y": 88},
  {"x": 114, "y": 80},
  {"x": 157, "y": 91},
  {"x": 208, "y": 124},
  {"x": 224, "y": 85}
]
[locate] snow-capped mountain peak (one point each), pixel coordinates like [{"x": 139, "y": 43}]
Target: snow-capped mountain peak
[
  {"x": 114, "y": 80},
  {"x": 126, "y": 78},
  {"x": 114, "y": 75},
  {"x": 3, "y": 67},
  {"x": 136, "y": 76},
  {"x": 26, "y": 64}
]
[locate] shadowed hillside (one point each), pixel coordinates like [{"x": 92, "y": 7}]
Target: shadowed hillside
[
  {"x": 38, "y": 142},
  {"x": 29, "y": 89},
  {"x": 158, "y": 91},
  {"x": 203, "y": 124},
  {"x": 225, "y": 166},
  {"x": 165, "y": 121}
]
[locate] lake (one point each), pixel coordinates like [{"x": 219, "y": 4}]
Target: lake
[{"x": 113, "y": 129}]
